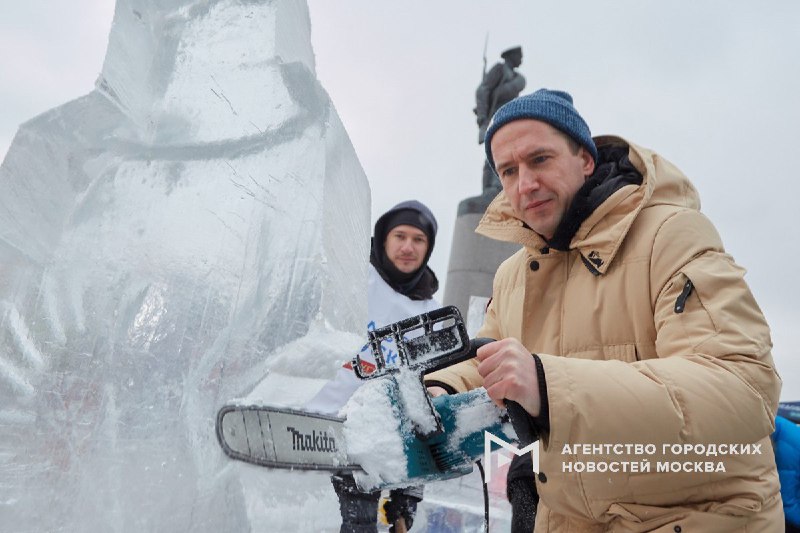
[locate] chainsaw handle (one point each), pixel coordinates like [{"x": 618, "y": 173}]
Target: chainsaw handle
[
  {"x": 476, "y": 343},
  {"x": 465, "y": 355}
]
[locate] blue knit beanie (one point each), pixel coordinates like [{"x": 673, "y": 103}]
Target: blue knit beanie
[{"x": 553, "y": 107}]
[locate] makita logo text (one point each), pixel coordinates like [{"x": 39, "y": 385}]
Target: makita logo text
[{"x": 315, "y": 442}]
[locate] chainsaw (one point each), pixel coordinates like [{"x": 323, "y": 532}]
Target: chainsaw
[{"x": 436, "y": 441}]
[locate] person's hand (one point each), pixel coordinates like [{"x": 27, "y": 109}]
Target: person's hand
[
  {"x": 435, "y": 391},
  {"x": 509, "y": 373}
]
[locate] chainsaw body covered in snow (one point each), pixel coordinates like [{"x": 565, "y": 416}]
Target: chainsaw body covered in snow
[{"x": 431, "y": 438}]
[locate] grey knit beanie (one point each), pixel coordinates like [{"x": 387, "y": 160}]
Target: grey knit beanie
[{"x": 553, "y": 107}]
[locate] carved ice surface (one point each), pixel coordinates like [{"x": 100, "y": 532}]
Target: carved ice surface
[{"x": 160, "y": 239}]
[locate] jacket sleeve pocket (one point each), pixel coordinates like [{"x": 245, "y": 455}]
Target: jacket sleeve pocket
[{"x": 715, "y": 353}]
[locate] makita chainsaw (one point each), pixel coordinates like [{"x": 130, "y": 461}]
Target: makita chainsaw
[{"x": 441, "y": 437}]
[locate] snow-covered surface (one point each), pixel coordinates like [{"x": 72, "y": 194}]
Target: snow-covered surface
[
  {"x": 477, "y": 415},
  {"x": 296, "y": 371},
  {"x": 197, "y": 222},
  {"x": 374, "y": 434},
  {"x": 414, "y": 401}
]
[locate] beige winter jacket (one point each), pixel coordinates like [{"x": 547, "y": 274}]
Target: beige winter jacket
[{"x": 634, "y": 354}]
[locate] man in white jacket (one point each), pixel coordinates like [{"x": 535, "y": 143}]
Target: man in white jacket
[{"x": 401, "y": 285}]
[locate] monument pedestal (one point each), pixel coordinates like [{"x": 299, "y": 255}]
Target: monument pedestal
[{"x": 473, "y": 258}]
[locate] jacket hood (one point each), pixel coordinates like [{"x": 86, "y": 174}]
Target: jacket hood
[
  {"x": 422, "y": 283},
  {"x": 662, "y": 184}
]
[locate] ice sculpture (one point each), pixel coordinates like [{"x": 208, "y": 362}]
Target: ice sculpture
[{"x": 161, "y": 240}]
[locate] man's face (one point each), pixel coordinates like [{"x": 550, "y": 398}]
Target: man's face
[
  {"x": 406, "y": 247},
  {"x": 539, "y": 172},
  {"x": 515, "y": 59}
]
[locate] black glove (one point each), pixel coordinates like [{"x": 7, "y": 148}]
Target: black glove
[
  {"x": 400, "y": 505},
  {"x": 359, "y": 509},
  {"x": 524, "y": 499},
  {"x": 521, "y": 493}
]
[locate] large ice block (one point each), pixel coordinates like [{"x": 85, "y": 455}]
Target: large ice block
[{"x": 161, "y": 239}]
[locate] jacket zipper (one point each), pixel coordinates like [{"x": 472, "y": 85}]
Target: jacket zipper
[{"x": 680, "y": 303}]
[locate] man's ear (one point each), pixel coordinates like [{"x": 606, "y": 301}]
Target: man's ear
[{"x": 588, "y": 162}]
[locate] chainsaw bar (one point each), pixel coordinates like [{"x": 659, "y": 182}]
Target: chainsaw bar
[{"x": 283, "y": 438}]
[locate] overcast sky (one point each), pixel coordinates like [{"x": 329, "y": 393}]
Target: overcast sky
[{"x": 711, "y": 85}]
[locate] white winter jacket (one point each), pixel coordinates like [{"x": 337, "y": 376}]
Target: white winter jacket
[{"x": 385, "y": 306}]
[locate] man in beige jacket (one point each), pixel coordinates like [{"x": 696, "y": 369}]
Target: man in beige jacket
[{"x": 651, "y": 387}]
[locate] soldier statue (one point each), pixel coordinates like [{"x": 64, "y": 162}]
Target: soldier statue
[{"x": 500, "y": 85}]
